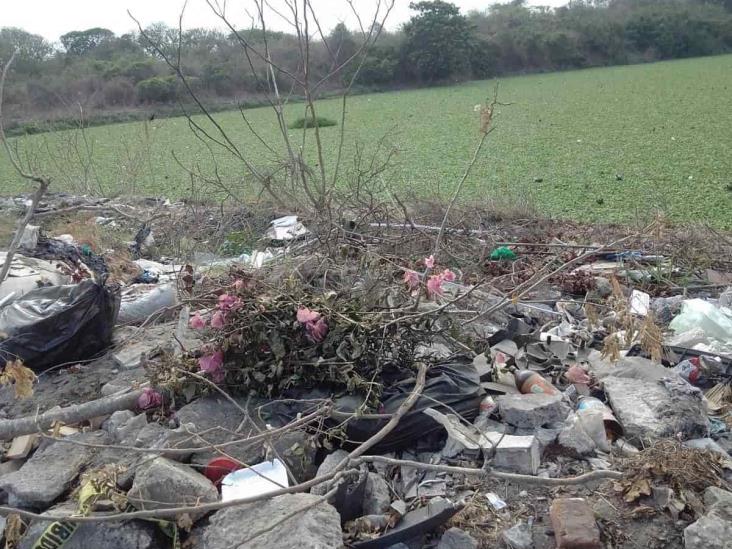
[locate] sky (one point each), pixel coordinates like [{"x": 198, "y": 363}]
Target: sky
[{"x": 52, "y": 18}]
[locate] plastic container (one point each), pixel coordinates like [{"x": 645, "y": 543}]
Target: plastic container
[
  {"x": 530, "y": 382},
  {"x": 613, "y": 429}
]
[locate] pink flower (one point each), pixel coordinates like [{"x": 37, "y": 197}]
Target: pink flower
[
  {"x": 218, "y": 320},
  {"x": 305, "y": 315},
  {"x": 229, "y": 302},
  {"x": 448, "y": 275},
  {"x": 149, "y": 398},
  {"x": 212, "y": 364},
  {"x": 196, "y": 322},
  {"x": 434, "y": 285},
  {"x": 429, "y": 262},
  {"x": 316, "y": 331},
  {"x": 411, "y": 279}
]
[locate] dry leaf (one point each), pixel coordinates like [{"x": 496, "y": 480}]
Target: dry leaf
[
  {"x": 20, "y": 376},
  {"x": 13, "y": 531},
  {"x": 651, "y": 338},
  {"x": 184, "y": 522},
  {"x": 638, "y": 488}
]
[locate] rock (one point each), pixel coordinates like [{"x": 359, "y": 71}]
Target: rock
[
  {"x": 165, "y": 483},
  {"x": 711, "y": 531},
  {"x": 134, "y": 534},
  {"x": 116, "y": 421},
  {"x": 648, "y": 409},
  {"x": 455, "y": 538},
  {"x": 377, "y": 497},
  {"x": 714, "y": 496},
  {"x": 603, "y": 287},
  {"x": 574, "y": 524},
  {"x": 7, "y": 467},
  {"x": 532, "y": 410},
  {"x": 329, "y": 464},
  {"x": 50, "y": 472},
  {"x": 317, "y": 528},
  {"x": 128, "y": 432},
  {"x": 298, "y": 452},
  {"x": 518, "y": 537},
  {"x": 518, "y": 454}
]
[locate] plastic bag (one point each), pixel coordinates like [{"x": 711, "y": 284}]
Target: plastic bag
[
  {"x": 592, "y": 422},
  {"x": 715, "y": 322},
  {"x": 145, "y": 301},
  {"x": 58, "y": 324}
]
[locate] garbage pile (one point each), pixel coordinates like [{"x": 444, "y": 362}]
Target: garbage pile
[{"x": 290, "y": 396}]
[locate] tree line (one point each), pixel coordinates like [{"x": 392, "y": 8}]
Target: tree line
[{"x": 96, "y": 71}]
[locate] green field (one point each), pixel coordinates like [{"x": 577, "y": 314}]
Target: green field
[{"x": 665, "y": 128}]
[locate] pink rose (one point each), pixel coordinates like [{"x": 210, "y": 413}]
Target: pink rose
[
  {"x": 429, "y": 262},
  {"x": 196, "y": 322},
  {"x": 305, "y": 315},
  {"x": 434, "y": 285},
  {"x": 212, "y": 364},
  {"x": 411, "y": 279},
  {"x": 218, "y": 320},
  {"x": 149, "y": 398}
]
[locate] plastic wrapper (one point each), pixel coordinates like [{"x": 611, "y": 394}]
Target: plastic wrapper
[{"x": 59, "y": 324}]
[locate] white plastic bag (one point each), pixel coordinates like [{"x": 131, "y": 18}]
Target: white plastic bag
[{"x": 715, "y": 322}]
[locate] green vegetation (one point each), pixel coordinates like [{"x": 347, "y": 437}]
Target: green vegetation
[
  {"x": 310, "y": 122},
  {"x": 611, "y": 144}
]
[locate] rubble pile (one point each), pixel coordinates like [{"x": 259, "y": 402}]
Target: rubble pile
[{"x": 360, "y": 390}]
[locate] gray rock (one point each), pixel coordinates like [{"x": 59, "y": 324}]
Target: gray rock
[
  {"x": 603, "y": 287},
  {"x": 714, "y": 496},
  {"x": 50, "y": 472},
  {"x": 317, "y": 528},
  {"x": 648, "y": 409},
  {"x": 165, "y": 483},
  {"x": 455, "y": 538},
  {"x": 114, "y": 422},
  {"x": 329, "y": 464},
  {"x": 532, "y": 410},
  {"x": 711, "y": 531},
  {"x": 127, "y": 433},
  {"x": 377, "y": 497},
  {"x": 134, "y": 534},
  {"x": 298, "y": 452},
  {"x": 518, "y": 537}
]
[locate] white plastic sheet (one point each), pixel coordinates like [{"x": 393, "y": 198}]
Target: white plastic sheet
[{"x": 257, "y": 480}]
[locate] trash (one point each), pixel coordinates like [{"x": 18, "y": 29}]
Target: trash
[
  {"x": 286, "y": 228},
  {"x": 29, "y": 239},
  {"x": 689, "y": 370},
  {"x": 219, "y": 467},
  {"x": 640, "y": 303},
  {"x": 496, "y": 502},
  {"x": 529, "y": 382},
  {"x": 140, "y": 302},
  {"x": 59, "y": 324},
  {"x": 453, "y": 386},
  {"x": 532, "y": 410},
  {"x": 613, "y": 429},
  {"x": 257, "y": 480},
  {"x": 420, "y": 521},
  {"x": 574, "y": 524},
  {"x": 703, "y": 326},
  {"x": 27, "y": 274},
  {"x": 503, "y": 254}
]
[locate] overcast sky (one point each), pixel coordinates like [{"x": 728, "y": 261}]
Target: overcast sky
[{"x": 52, "y": 18}]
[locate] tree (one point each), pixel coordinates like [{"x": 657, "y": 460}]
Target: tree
[
  {"x": 31, "y": 49},
  {"x": 82, "y": 42},
  {"x": 437, "y": 42}
]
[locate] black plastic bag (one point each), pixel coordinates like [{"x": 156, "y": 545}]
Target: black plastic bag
[
  {"x": 58, "y": 324},
  {"x": 452, "y": 387}
]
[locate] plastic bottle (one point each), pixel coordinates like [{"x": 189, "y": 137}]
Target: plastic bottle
[{"x": 531, "y": 382}]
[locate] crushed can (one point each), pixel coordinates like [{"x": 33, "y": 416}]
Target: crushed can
[
  {"x": 613, "y": 429},
  {"x": 690, "y": 370}
]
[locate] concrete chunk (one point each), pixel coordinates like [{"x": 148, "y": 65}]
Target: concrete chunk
[{"x": 532, "y": 410}]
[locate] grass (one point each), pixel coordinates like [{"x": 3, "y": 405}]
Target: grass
[
  {"x": 608, "y": 144},
  {"x": 310, "y": 122}
]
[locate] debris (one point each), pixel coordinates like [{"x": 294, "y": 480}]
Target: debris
[
  {"x": 29, "y": 240},
  {"x": 50, "y": 472},
  {"x": 164, "y": 484},
  {"x": 532, "y": 410},
  {"x": 22, "y": 446},
  {"x": 318, "y": 525},
  {"x": 141, "y": 302},
  {"x": 576, "y": 439},
  {"x": 496, "y": 502},
  {"x": 714, "y": 496},
  {"x": 377, "y": 496},
  {"x": 455, "y": 538},
  {"x": 574, "y": 524},
  {"x": 518, "y": 536},
  {"x": 420, "y": 521},
  {"x": 640, "y": 303},
  {"x": 262, "y": 478},
  {"x": 650, "y": 410},
  {"x": 703, "y": 322},
  {"x": 80, "y": 317},
  {"x": 286, "y": 228},
  {"x": 27, "y": 274},
  {"x": 329, "y": 464},
  {"x": 529, "y": 382},
  {"x": 711, "y": 531}
]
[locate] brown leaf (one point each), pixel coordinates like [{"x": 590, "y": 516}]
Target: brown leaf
[
  {"x": 20, "y": 376},
  {"x": 638, "y": 488}
]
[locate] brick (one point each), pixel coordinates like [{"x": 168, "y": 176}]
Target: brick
[{"x": 574, "y": 524}]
